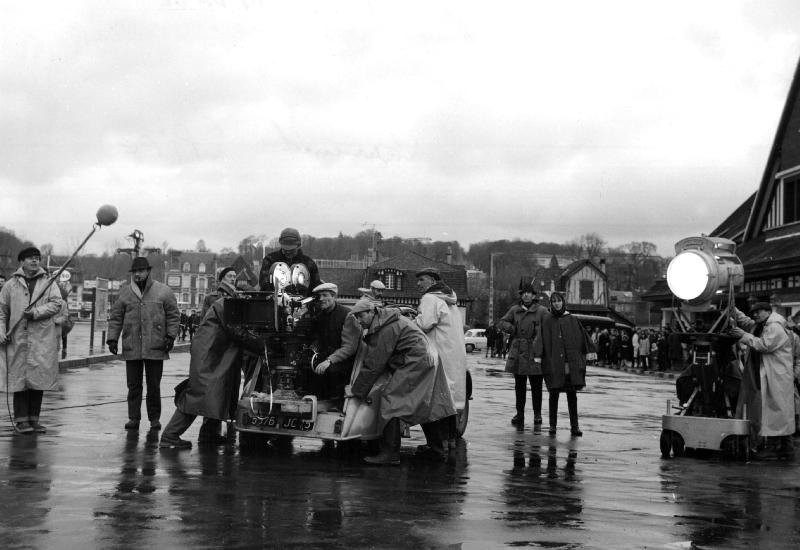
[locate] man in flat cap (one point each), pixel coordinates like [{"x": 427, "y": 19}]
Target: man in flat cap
[
  {"x": 374, "y": 292},
  {"x": 336, "y": 335},
  {"x": 29, "y": 339},
  {"x": 768, "y": 379},
  {"x": 440, "y": 319},
  {"x": 290, "y": 254},
  {"x": 416, "y": 391},
  {"x": 146, "y": 316}
]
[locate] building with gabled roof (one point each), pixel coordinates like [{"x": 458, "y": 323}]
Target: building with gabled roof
[{"x": 766, "y": 226}]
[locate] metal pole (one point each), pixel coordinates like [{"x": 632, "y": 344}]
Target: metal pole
[
  {"x": 491, "y": 287},
  {"x": 91, "y": 328}
]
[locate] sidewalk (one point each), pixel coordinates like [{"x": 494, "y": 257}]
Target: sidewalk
[
  {"x": 499, "y": 365},
  {"x": 81, "y": 354}
]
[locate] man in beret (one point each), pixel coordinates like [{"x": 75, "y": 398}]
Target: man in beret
[
  {"x": 336, "y": 335},
  {"x": 146, "y": 316},
  {"x": 29, "y": 339},
  {"x": 767, "y": 387},
  {"x": 290, "y": 254}
]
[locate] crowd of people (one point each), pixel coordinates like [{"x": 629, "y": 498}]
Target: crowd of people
[{"x": 642, "y": 348}]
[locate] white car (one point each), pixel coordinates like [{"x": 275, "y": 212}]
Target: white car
[{"x": 475, "y": 338}]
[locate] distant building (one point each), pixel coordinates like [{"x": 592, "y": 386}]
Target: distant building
[{"x": 191, "y": 276}]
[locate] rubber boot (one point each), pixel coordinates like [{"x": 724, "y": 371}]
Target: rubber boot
[
  {"x": 553, "y": 411},
  {"x": 389, "y": 445},
  {"x": 572, "y": 405}
]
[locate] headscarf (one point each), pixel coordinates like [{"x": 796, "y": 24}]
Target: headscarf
[{"x": 558, "y": 312}]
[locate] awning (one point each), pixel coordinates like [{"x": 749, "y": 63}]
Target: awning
[{"x": 594, "y": 320}]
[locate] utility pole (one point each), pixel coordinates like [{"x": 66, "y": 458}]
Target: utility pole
[{"x": 491, "y": 285}]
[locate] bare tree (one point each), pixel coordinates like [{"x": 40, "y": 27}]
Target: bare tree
[{"x": 201, "y": 246}]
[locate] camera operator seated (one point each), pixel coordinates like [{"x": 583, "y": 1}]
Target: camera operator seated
[{"x": 336, "y": 334}]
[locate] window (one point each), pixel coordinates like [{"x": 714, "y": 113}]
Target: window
[
  {"x": 586, "y": 290},
  {"x": 201, "y": 268},
  {"x": 791, "y": 200},
  {"x": 186, "y": 267},
  {"x": 392, "y": 278},
  {"x": 185, "y": 297},
  {"x": 201, "y": 282}
]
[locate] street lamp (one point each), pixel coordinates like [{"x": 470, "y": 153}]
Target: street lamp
[{"x": 491, "y": 285}]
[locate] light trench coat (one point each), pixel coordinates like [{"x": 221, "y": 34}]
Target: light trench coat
[
  {"x": 776, "y": 373},
  {"x": 29, "y": 360},
  {"x": 440, "y": 319}
]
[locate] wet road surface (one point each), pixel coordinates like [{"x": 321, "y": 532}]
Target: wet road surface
[{"x": 87, "y": 483}]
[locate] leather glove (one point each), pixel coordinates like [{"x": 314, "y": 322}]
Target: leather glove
[
  {"x": 169, "y": 344},
  {"x": 112, "y": 346}
]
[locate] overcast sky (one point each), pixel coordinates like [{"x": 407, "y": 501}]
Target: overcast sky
[{"x": 465, "y": 121}]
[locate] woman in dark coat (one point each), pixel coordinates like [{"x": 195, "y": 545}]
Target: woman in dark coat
[{"x": 565, "y": 346}]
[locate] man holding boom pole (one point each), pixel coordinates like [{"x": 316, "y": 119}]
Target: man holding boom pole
[{"x": 29, "y": 353}]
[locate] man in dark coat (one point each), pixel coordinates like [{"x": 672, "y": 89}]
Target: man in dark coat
[
  {"x": 214, "y": 374},
  {"x": 416, "y": 391},
  {"x": 523, "y": 321},
  {"x": 146, "y": 317},
  {"x": 490, "y": 335},
  {"x": 336, "y": 334},
  {"x": 290, "y": 254}
]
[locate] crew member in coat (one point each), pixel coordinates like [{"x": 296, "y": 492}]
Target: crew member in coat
[
  {"x": 214, "y": 376},
  {"x": 30, "y": 317},
  {"x": 523, "y": 321},
  {"x": 227, "y": 275},
  {"x": 440, "y": 319},
  {"x": 416, "y": 392},
  {"x": 565, "y": 345},
  {"x": 146, "y": 318},
  {"x": 768, "y": 379},
  {"x": 336, "y": 335},
  {"x": 290, "y": 254}
]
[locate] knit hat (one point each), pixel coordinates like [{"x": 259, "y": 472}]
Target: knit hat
[{"x": 28, "y": 253}]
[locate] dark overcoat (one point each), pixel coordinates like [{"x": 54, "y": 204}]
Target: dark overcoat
[
  {"x": 564, "y": 341},
  {"x": 524, "y": 324},
  {"x": 215, "y": 366}
]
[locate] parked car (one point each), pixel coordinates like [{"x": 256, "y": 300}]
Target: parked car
[{"x": 475, "y": 338}]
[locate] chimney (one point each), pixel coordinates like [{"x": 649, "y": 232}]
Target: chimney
[
  {"x": 449, "y": 257},
  {"x": 603, "y": 265}
]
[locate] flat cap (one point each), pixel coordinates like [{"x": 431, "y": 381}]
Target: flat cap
[
  {"x": 364, "y": 304},
  {"x": 330, "y": 287},
  {"x": 139, "y": 263},
  {"x": 432, "y": 271},
  {"x": 760, "y": 306}
]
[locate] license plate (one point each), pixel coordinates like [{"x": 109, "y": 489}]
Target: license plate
[{"x": 282, "y": 422}]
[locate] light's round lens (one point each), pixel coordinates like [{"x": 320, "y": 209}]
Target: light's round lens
[{"x": 687, "y": 275}]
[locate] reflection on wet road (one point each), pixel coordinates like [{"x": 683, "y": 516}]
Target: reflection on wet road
[{"x": 88, "y": 484}]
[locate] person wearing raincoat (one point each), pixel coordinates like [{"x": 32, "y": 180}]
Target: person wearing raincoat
[
  {"x": 523, "y": 321},
  {"x": 212, "y": 389},
  {"x": 767, "y": 388},
  {"x": 565, "y": 345},
  {"x": 416, "y": 390},
  {"x": 30, "y": 316},
  {"x": 440, "y": 319}
]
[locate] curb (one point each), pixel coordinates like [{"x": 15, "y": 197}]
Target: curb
[
  {"x": 79, "y": 362},
  {"x": 653, "y": 373}
]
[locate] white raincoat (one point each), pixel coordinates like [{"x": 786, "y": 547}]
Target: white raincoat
[
  {"x": 29, "y": 360},
  {"x": 440, "y": 320},
  {"x": 776, "y": 374}
]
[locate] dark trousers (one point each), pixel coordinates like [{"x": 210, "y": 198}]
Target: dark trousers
[
  {"x": 439, "y": 431},
  {"x": 572, "y": 405},
  {"x": 178, "y": 424},
  {"x": 521, "y": 388},
  {"x": 27, "y": 405},
  {"x": 390, "y": 438},
  {"x": 152, "y": 370}
]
